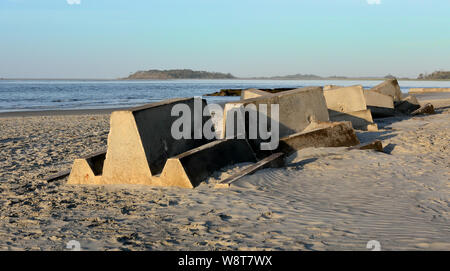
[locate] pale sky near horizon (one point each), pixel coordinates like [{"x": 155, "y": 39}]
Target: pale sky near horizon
[{"x": 112, "y": 38}]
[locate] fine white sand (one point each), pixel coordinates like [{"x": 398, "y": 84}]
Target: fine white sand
[{"x": 325, "y": 199}]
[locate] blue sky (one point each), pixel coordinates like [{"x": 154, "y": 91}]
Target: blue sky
[{"x": 111, "y": 38}]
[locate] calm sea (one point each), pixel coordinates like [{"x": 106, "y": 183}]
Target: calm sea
[{"x": 29, "y": 95}]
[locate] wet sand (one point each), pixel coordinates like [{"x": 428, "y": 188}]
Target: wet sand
[{"x": 325, "y": 199}]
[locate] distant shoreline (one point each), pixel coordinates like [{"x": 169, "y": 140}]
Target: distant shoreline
[{"x": 226, "y": 79}]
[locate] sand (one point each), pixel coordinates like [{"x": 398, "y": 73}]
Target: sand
[{"x": 325, "y": 199}]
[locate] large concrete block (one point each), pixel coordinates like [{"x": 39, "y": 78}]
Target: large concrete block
[
  {"x": 335, "y": 134},
  {"x": 349, "y": 104},
  {"x": 407, "y": 105},
  {"x": 298, "y": 109},
  {"x": 391, "y": 88},
  {"x": 361, "y": 120},
  {"x": 186, "y": 170},
  {"x": 380, "y": 105},
  {"x": 189, "y": 169},
  {"x": 253, "y": 93},
  {"x": 139, "y": 143},
  {"x": 346, "y": 99}
]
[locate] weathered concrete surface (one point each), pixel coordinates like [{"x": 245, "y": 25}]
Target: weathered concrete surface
[
  {"x": 87, "y": 170},
  {"x": 298, "y": 109},
  {"x": 349, "y": 104},
  {"x": 139, "y": 144},
  {"x": 426, "y": 109},
  {"x": 335, "y": 134},
  {"x": 266, "y": 162},
  {"x": 189, "y": 169},
  {"x": 253, "y": 93},
  {"x": 186, "y": 170},
  {"x": 154, "y": 122},
  {"x": 407, "y": 105},
  {"x": 346, "y": 99},
  {"x": 380, "y": 105},
  {"x": 391, "y": 88},
  {"x": 140, "y": 141},
  {"x": 428, "y": 90},
  {"x": 361, "y": 120}
]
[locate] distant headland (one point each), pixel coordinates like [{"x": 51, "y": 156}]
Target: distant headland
[{"x": 178, "y": 74}]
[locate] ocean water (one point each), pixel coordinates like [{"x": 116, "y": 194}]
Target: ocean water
[{"x": 31, "y": 95}]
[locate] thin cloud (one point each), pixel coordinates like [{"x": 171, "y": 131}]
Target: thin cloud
[
  {"x": 374, "y": 2},
  {"x": 73, "y": 2}
]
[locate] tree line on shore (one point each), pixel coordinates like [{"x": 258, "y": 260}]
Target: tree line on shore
[{"x": 191, "y": 74}]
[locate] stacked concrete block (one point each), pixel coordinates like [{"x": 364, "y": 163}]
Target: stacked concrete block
[
  {"x": 391, "y": 88},
  {"x": 380, "y": 105},
  {"x": 139, "y": 144},
  {"x": 407, "y": 105},
  {"x": 331, "y": 134},
  {"x": 349, "y": 104},
  {"x": 298, "y": 109}
]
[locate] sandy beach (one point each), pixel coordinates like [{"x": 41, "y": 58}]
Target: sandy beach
[{"x": 324, "y": 199}]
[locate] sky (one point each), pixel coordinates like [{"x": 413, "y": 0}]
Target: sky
[{"x": 113, "y": 38}]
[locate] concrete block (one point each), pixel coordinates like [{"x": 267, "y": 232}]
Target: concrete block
[
  {"x": 189, "y": 169},
  {"x": 407, "y": 105},
  {"x": 335, "y": 134},
  {"x": 373, "y": 127},
  {"x": 253, "y": 93},
  {"x": 298, "y": 108},
  {"x": 347, "y": 99},
  {"x": 361, "y": 120},
  {"x": 380, "y": 105},
  {"x": 391, "y": 88},
  {"x": 140, "y": 141}
]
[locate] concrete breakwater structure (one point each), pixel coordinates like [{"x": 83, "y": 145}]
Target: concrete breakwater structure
[
  {"x": 142, "y": 148},
  {"x": 361, "y": 106},
  {"x": 343, "y": 104}
]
